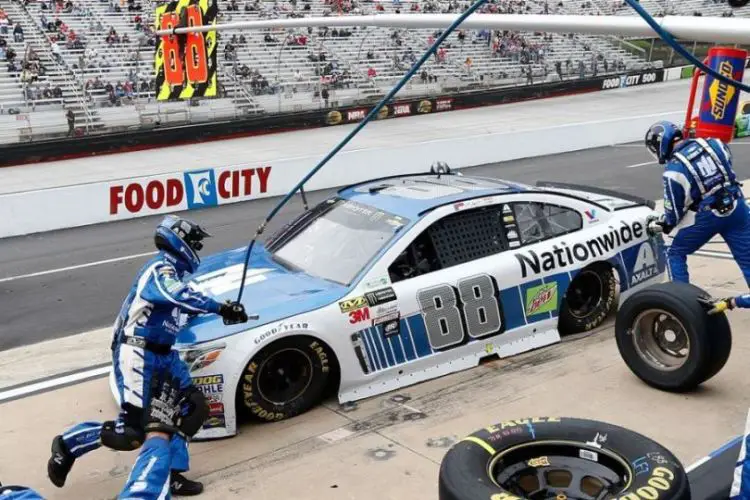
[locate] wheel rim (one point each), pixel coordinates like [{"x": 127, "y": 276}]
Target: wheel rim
[
  {"x": 285, "y": 376},
  {"x": 557, "y": 470},
  {"x": 585, "y": 293},
  {"x": 660, "y": 339}
]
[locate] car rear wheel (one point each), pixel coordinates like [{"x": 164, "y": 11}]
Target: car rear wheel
[
  {"x": 284, "y": 379},
  {"x": 588, "y": 300}
]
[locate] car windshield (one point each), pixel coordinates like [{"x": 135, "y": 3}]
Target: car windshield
[{"x": 336, "y": 239}]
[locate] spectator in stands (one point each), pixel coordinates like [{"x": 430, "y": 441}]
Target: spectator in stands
[
  {"x": 56, "y": 52},
  {"x": 71, "y": 122},
  {"x": 18, "y": 33},
  {"x": 4, "y": 22},
  {"x": 57, "y": 92},
  {"x": 10, "y": 54}
]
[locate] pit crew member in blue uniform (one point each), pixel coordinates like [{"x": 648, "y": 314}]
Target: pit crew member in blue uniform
[
  {"x": 702, "y": 198},
  {"x": 144, "y": 333},
  {"x": 149, "y": 478}
]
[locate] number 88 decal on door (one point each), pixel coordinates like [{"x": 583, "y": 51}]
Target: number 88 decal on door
[{"x": 451, "y": 313}]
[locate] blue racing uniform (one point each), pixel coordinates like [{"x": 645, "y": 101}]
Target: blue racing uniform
[
  {"x": 149, "y": 479},
  {"x": 144, "y": 333},
  {"x": 702, "y": 198}
]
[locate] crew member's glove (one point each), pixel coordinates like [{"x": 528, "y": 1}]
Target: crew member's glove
[
  {"x": 233, "y": 313},
  {"x": 164, "y": 407},
  {"x": 656, "y": 224},
  {"x": 718, "y": 306}
]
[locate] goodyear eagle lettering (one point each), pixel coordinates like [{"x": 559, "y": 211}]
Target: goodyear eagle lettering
[
  {"x": 660, "y": 480},
  {"x": 563, "y": 255}
]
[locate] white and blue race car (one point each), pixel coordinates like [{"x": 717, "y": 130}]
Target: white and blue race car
[{"x": 403, "y": 279}]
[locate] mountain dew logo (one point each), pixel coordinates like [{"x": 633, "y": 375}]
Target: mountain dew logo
[{"x": 541, "y": 299}]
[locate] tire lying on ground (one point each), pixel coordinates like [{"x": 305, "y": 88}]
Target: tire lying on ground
[
  {"x": 547, "y": 457},
  {"x": 668, "y": 340}
]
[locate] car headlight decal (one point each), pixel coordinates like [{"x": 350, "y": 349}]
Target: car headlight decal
[{"x": 198, "y": 359}]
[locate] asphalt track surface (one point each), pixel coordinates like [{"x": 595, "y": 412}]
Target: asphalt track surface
[{"x": 69, "y": 301}]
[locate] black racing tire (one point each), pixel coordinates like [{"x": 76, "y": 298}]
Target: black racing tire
[
  {"x": 479, "y": 466},
  {"x": 284, "y": 379},
  {"x": 707, "y": 339},
  {"x": 588, "y": 300}
]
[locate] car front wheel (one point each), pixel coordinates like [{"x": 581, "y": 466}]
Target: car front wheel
[{"x": 284, "y": 379}]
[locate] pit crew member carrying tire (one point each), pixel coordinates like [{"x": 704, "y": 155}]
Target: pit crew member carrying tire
[
  {"x": 144, "y": 333},
  {"x": 702, "y": 198},
  {"x": 149, "y": 478}
]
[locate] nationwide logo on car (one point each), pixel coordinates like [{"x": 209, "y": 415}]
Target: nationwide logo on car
[
  {"x": 565, "y": 255},
  {"x": 541, "y": 299}
]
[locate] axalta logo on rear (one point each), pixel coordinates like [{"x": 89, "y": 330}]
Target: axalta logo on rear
[{"x": 191, "y": 189}]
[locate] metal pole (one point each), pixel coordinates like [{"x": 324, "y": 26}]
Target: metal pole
[{"x": 706, "y": 29}]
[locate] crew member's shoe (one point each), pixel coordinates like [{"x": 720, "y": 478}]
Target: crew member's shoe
[
  {"x": 179, "y": 485},
  {"x": 60, "y": 462}
]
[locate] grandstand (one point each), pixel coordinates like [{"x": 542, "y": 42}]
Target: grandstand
[{"x": 92, "y": 60}]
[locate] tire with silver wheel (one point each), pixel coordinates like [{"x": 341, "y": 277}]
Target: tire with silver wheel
[
  {"x": 666, "y": 338},
  {"x": 588, "y": 300},
  {"x": 284, "y": 379}
]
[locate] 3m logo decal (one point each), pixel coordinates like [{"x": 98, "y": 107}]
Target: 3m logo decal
[
  {"x": 541, "y": 299},
  {"x": 359, "y": 316},
  {"x": 352, "y": 304}
]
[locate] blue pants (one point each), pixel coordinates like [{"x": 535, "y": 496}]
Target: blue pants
[
  {"x": 150, "y": 475},
  {"x": 734, "y": 228},
  {"x": 149, "y": 478},
  {"x": 133, "y": 368}
]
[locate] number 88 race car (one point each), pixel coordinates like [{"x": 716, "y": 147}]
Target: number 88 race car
[{"x": 403, "y": 279}]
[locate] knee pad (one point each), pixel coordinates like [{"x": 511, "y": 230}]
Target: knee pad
[
  {"x": 122, "y": 437},
  {"x": 195, "y": 412}
]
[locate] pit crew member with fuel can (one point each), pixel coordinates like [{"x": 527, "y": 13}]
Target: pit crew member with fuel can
[{"x": 144, "y": 334}]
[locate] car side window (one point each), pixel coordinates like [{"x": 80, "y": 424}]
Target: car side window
[
  {"x": 455, "y": 239},
  {"x": 540, "y": 221}
]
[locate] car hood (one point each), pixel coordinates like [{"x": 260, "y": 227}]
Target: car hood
[{"x": 271, "y": 291}]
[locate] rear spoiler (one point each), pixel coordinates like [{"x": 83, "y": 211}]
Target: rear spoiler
[{"x": 604, "y": 192}]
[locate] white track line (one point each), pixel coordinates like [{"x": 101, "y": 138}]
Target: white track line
[
  {"x": 80, "y": 266},
  {"x": 52, "y": 383},
  {"x": 642, "y": 164}
]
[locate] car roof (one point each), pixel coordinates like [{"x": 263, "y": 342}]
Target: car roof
[{"x": 411, "y": 195}]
